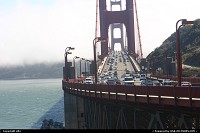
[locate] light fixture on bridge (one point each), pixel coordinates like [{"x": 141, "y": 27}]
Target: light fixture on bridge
[
  {"x": 85, "y": 67},
  {"x": 97, "y": 39},
  {"x": 69, "y": 48},
  {"x": 80, "y": 65},
  {"x": 69, "y": 52},
  {"x": 66, "y": 64},
  {"x": 184, "y": 22},
  {"x": 102, "y": 39},
  {"x": 75, "y": 57},
  {"x": 179, "y": 60}
]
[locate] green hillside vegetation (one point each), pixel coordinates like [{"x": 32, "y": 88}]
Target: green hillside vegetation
[{"x": 190, "y": 49}]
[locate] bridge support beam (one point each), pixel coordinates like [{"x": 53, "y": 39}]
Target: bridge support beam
[
  {"x": 121, "y": 121},
  {"x": 155, "y": 121},
  {"x": 181, "y": 122}
]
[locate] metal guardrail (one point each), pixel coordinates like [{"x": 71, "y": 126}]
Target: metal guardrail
[{"x": 135, "y": 64}]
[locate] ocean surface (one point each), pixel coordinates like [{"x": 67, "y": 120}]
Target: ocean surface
[{"x": 24, "y": 104}]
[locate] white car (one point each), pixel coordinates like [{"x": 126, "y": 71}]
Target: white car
[
  {"x": 185, "y": 83},
  {"x": 88, "y": 81}
]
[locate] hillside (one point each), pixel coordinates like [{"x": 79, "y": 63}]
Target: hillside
[{"x": 190, "y": 48}]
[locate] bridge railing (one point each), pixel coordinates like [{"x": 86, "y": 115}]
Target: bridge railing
[
  {"x": 195, "y": 80},
  {"x": 101, "y": 67},
  {"x": 135, "y": 64},
  {"x": 163, "y": 95}
]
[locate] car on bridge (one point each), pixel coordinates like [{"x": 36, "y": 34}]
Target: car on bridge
[
  {"x": 156, "y": 83},
  {"x": 168, "y": 82},
  {"x": 115, "y": 73},
  {"x": 143, "y": 82},
  {"x": 128, "y": 81},
  {"x": 143, "y": 77},
  {"x": 186, "y": 83},
  {"x": 110, "y": 81},
  {"x": 136, "y": 74},
  {"x": 88, "y": 81},
  {"x": 146, "y": 82}
]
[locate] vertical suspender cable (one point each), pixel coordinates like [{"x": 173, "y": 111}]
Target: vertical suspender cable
[
  {"x": 96, "y": 26},
  {"x": 138, "y": 29}
]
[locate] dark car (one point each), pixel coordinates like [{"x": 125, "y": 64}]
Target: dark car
[
  {"x": 147, "y": 82},
  {"x": 111, "y": 81},
  {"x": 115, "y": 73},
  {"x": 136, "y": 74}
]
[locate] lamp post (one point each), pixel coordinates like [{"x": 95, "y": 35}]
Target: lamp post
[
  {"x": 168, "y": 65},
  {"x": 75, "y": 57},
  {"x": 85, "y": 69},
  {"x": 97, "y": 39},
  {"x": 85, "y": 66},
  {"x": 66, "y": 64},
  {"x": 179, "y": 60},
  {"x": 80, "y": 65}
]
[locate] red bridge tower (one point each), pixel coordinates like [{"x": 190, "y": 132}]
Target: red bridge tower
[{"x": 125, "y": 17}]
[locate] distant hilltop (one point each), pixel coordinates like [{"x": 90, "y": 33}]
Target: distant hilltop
[{"x": 36, "y": 71}]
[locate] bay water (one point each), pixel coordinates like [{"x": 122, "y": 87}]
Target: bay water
[{"x": 24, "y": 104}]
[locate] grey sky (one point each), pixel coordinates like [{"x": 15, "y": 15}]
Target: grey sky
[{"x": 40, "y": 30}]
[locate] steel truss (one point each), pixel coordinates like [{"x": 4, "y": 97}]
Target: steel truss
[{"x": 102, "y": 115}]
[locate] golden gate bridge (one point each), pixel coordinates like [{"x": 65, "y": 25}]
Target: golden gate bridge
[{"x": 119, "y": 106}]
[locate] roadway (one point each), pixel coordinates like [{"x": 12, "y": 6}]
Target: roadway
[{"x": 119, "y": 62}]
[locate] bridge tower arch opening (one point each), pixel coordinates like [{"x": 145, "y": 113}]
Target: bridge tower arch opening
[
  {"x": 117, "y": 47},
  {"x": 117, "y": 33},
  {"x": 116, "y": 36},
  {"x": 117, "y": 19}
]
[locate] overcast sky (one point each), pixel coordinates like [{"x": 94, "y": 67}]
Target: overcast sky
[{"x": 40, "y": 30}]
